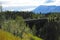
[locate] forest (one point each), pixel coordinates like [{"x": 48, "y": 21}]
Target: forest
[{"x": 14, "y": 27}]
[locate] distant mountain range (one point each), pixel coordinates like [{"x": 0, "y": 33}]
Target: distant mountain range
[
  {"x": 46, "y": 9},
  {"x": 18, "y": 8}
]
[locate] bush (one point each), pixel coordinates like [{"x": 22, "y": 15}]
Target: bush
[
  {"x": 7, "y": 36},
  {"x": 28, "y": 36},
  {"x": 16, "y": 27}
]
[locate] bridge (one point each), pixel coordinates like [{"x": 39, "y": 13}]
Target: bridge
[
  {"x": 44, "y": 28},
  {"x": 38, "y": 23}
]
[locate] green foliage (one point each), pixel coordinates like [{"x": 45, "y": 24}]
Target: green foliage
[
  {"x": 34, "y": 30},
  {"x": 53, "y": 16},
  {"x": 13, "y": 22},
  {"x": 7, "y": 36},
  {"x": 16, "y": 27},
  {"x": 30, "y": 37}
]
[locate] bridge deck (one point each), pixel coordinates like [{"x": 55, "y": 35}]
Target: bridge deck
[{"x": 35, "y": 19}]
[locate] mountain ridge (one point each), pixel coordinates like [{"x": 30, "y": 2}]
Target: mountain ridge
[{"x": 46, "y": 9}]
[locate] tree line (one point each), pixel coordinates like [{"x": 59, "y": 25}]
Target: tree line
[{"x": 13, "y": 22}]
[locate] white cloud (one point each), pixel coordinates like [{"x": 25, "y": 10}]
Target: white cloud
[
  {"x": 23, "y": 3},
  {"x": 55, "y": 2},
  {"x": 16, "y": 3},
  {"x": 27, "y": 9}
]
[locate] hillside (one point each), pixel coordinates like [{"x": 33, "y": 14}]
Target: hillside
[{"x": 13, "y": 22}]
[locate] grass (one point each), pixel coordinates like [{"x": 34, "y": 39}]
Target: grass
[{"x": 7, "y": 36}]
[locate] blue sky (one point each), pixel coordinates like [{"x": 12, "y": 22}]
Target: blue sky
[
  {"x": 49, "y": 1},
  {"x": 26, "y": 5}
]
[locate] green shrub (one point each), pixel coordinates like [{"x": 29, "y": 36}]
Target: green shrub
[
  {"x": 7, "y": 36},
  {"x": 16, "y": 27}
]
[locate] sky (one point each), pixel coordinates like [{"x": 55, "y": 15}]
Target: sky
[{"x": 26, "y": 5}]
